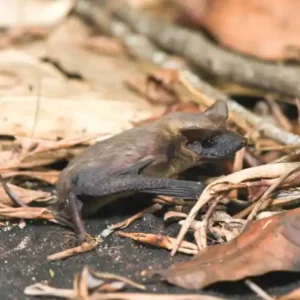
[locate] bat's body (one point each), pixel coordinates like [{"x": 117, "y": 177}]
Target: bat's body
[{"x": 145, "y": 159}]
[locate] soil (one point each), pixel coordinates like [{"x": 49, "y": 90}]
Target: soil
[{"x": 24, "y": 252}]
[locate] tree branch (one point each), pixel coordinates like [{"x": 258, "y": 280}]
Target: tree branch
[
  {"x": 141, "y": 48},
  {"x": 210, "y": 57}
]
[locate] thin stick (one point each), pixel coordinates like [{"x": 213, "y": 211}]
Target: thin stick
[
  {"x": 269, "y": 171},
  {"x": 38, "y": 100},
  {"x": 202, "y": 242},
  {"x": 123, "y": 224},
  {"x": 268, "y": 193},
  {"x": 281, "y": 118},
  {"x": 110, "y": 276},
  {"x": 85, "y": 247},
  {"x": 258, "y": 290}
]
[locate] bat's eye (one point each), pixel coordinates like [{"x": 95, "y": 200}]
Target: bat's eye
[{"x": 210, "y": 141}]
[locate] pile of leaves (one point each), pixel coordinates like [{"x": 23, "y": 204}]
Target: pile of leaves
[{"x": 246, "y": 221}]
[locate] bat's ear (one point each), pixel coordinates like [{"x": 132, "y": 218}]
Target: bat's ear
[{"x": 218, "y": 111}]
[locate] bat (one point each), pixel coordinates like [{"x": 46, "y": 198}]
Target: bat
[{"x": 145, "y": 159}]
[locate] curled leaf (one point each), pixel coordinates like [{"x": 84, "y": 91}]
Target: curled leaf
[
  {"x": 25, "y": 195},
  {"x": 161, "y": 241},
  {"x": 25, "y": 213},
  {"x": 270, "y": 244}
]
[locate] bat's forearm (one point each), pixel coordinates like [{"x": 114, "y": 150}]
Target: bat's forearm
[{"x": 141, "y": 183}]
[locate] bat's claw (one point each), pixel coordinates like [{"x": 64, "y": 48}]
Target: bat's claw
[
  {"x": 70, "y": 239},
  {"x": 73, "y": 239}
]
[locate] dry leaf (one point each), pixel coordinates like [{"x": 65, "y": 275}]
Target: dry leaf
[
  {"x": 157, "y": 86},
  {"x": 29, "y": 146},
  {"x": 241, "y": 179},
  {"x": 39, "y": 289},
  {"x": 49, "y": 176},
  {"x": 82, "y": 291},
  {"x": 186, "y": 107},
  {"x": 85, "y": 247},
  {"x": 110, "y": 276},
  {"x": 33, "y": 12},
  {"x": 71, "y": 119},
  {"x": 25, "y": 213},
  {"x": 270, "y": 244},
  {"x": 104, "y": 45},
  {"x": 161, "y": 241},
  {"x": 264, "y": 28},
  {"x": 68, "y": 95},
  {"x": 25, "y": 195},
  {"x": 144, "y": 3},
  {"x": 29, "y": 152},
  {"x": 19, "y": 35}
]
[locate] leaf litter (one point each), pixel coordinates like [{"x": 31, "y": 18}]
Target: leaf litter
[{"x": 43, "y": 87}]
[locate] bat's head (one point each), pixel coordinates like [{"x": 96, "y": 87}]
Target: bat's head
[{"x": 206, "y": 134}]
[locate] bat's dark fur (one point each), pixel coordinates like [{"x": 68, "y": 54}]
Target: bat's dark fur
[{"x": 146, "y": 159}]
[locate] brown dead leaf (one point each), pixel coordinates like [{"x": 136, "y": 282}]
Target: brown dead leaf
[
  {"x": 104, "y": 45},
  {"x": 25, "y": 213},
  {"x": 263, "y": 28},
  {"x": 111, "y": 287},
  {"x": 33, "y": 12},
  {"x": 159, "y": 240},
  {"x": 49, "y": 176},
  {"x": 29, "y": 152},
  {"x": 186, "y": 107},
  {"x": 144, "y": 3},
  {"x": 37, "y": 92},
  {"x": 21, "y": 35},
  {"x": 82, "y": 291},
  {"x": 111, "y": 276},
  {"x": 42, "y": 159},
  {"x": 39, "y": 289},
  {"x": 29, "y": 146},
  {"x": 85, "y": 247},
  {"x": 157, "y": 86},
  {"x": 25, "y": 195},
  {"x": 270, "y": 244}
]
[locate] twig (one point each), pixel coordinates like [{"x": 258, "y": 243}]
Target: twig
[
  {"x": 281, "y": 118},
  {"x": 38, "y": 100},
  {"x": 161, "y": 241},
  {"x": 39, "y": 289},
  {"x": 201, "y": 243},
  {"x": 293, "y": 156},
  {"x": 111, "y": 276},
  {"x": 268, "y": 193},
  {"x": 292, "y": 197},
  {"x": 259, "y": 291},
  {"x": 123, "y": 224},
  {"x": 141, "y": 48},
  {"x": 213, "y": 59},
  {"x": 81, "y": 284},
  {"x": 73, "y": 251},
  {"x": 266, "y": 171}
]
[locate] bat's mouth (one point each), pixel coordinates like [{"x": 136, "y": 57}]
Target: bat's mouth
[{"x": 214, "y": 144}]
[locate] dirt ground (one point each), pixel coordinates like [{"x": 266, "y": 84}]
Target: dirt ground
[{"x": 24, "y": 253}]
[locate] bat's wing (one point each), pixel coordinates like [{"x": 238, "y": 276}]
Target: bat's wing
[
  {"x": 137, "y": 168},
  {"x": 89, "y": 183},
  {"x": 140, "y": 183}
]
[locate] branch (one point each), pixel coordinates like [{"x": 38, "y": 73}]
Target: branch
[
  {"x": 195, "y": 47},
  {"x": 140, "y": 47}
]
